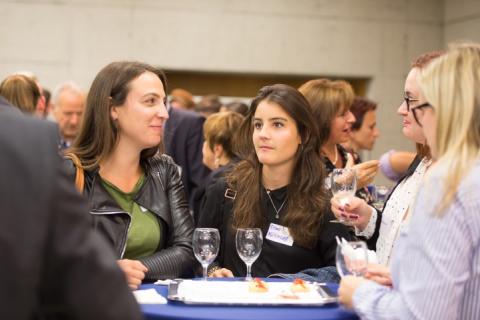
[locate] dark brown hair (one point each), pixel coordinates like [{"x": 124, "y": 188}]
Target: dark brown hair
[
  {"x": 359, "y": 107},
  {"x": 307, "y": 200},
  {"x": 98, "y": 133},
  {"x": 21, "y": 91},
  {"x": 327, "y": 98}
]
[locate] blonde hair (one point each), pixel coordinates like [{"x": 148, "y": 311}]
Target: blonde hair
[
  {"x": 327, "y": 98},
  {"x": 451, "y": 85},
  {"x": 220, "y": 129}
]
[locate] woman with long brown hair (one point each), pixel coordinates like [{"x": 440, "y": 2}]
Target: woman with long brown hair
[
  {"x": 135, "y": 194},
  {"x": 279, "y": 185}
]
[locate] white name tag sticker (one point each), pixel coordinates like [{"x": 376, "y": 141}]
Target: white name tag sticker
[{"x": 279, "y": 234}]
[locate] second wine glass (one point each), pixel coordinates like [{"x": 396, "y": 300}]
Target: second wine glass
[
  {"x": 249, "y": 243},
  {"x": 206, "y": 243},
  {"x": 343, "y": 186},
  {"x": 351, "y": 258}
]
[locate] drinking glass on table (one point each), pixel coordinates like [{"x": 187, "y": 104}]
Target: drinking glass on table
[
  {"x": 249, "y": 243},
  {"x": 343, "y": 185},
  {"x": 351, "y": 258},
  {"x": 206, "y": 243}
]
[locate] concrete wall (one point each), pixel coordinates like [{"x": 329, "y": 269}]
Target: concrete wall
[
  {"x": 462, "y": 20},
  {"x": 73, "y": 39}
]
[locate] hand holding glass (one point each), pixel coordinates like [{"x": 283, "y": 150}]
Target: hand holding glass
[
  {"x": 343, "y": 186},
  {"x": 352, "y": 258},
  {"x": 249, "y": 243},
  {"x": 206, "y": 243}
]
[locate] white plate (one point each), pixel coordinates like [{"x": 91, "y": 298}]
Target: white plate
[{"x": 238, "y": 293}]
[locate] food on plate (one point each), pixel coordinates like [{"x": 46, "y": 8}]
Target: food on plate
[
  {"x": 257, "y": 285},
  {"x": 299, "y": 285},
  {"x": 288, "y": 294}
]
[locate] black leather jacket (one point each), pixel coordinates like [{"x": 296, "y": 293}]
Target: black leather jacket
[{"x": 162, "y": 194}]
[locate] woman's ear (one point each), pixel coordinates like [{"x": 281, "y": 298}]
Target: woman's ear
[
  {"x": 217, "y": 150},
  {"x": 113, "y": 110}
]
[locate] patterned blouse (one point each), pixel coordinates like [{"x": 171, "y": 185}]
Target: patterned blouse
[{"x": 396, "y": 213}]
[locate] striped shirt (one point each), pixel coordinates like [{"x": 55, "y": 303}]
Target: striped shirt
[{"x": 436, "y": 261}]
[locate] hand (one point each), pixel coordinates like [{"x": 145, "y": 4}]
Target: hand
[
  {"x": 379, "y": 274},
  {"x": 348, "y": 286},
  {"x": 357, "y": 212},
  {"x": 366, "y": 172},
  {"x": 134, "y": 272},
  {"x": 222, "y": 273}
]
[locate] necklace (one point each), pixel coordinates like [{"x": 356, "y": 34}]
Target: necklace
[
  {"x": 273, "y": 204},
  {"x": 336, "y": 155}
]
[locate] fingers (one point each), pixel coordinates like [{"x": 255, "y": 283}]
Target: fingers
[
  {"x": 222, "y": 273},
  {"x": 134, "y": 272},
  {"x": 380, "y": 280},
  {"x": 350, "y": 162}
]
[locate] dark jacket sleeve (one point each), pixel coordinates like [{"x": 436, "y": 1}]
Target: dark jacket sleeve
[
  {"x": 197, "y": 171},
  {"x": 177, "y": 259},
  {"x": 215, "y": 213},
  {"x": 81, "y": 270}
]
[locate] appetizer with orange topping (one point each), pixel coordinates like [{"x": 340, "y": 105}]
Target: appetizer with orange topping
[
  {"x": 299, "y": 285},
  {"x": 257, "y": 285}
]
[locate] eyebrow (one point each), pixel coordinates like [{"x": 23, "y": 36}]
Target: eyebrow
[
  {"x": 272, "y": 119},
  {"x": 153, "y": 94},
  {"x": 408, "y": 93}
]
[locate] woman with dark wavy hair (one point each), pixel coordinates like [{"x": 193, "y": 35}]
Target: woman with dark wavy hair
[{"x": 279, "y": 185}]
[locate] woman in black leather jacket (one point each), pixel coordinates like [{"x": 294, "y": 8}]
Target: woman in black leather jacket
[{"x": 135, "y": 195}]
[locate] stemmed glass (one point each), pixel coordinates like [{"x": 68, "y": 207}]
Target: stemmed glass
[
  {"x": 249, "y": 243},
  {"x": 206, "y": 243},
  {"x": 351, "y": 258},
  {"x": 381, "y": 194},
  {"x": 343, "y": 185}
]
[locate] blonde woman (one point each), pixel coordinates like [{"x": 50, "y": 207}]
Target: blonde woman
[{"x": 436, "y": 265}]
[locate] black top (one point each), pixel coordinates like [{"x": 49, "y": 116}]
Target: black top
[{"x": 275, "y": 257}]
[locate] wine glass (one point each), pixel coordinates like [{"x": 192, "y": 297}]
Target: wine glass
[
  {"x": 206, "y": 243},
  {"x": 343, "y": 185},
  {"x": 351, "y": 258},
  {"x": 249, "y": 243},
  {"x": 381, "y": 194}
]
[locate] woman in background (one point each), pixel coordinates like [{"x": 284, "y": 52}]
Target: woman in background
[
  {"x": 218, "y": 155},
  {"x": 382, "y": 228},
  {"x": 135, "y": 194},
  {"x": 330, "y": 102}
]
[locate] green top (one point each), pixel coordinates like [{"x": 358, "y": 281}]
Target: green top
[{"x": 144, "y": 232}]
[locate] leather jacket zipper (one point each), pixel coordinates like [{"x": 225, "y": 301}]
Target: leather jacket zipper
[{"x": 125, "y": 235}]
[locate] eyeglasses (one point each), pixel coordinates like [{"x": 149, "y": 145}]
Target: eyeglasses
[
  {"x": 408, "y": 101},
  {"x": 417, "y": 115}
]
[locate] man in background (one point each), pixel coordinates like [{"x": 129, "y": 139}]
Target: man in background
[
  {"x": 68, "y": 105},
  {"x": 183, "y": 140}
]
